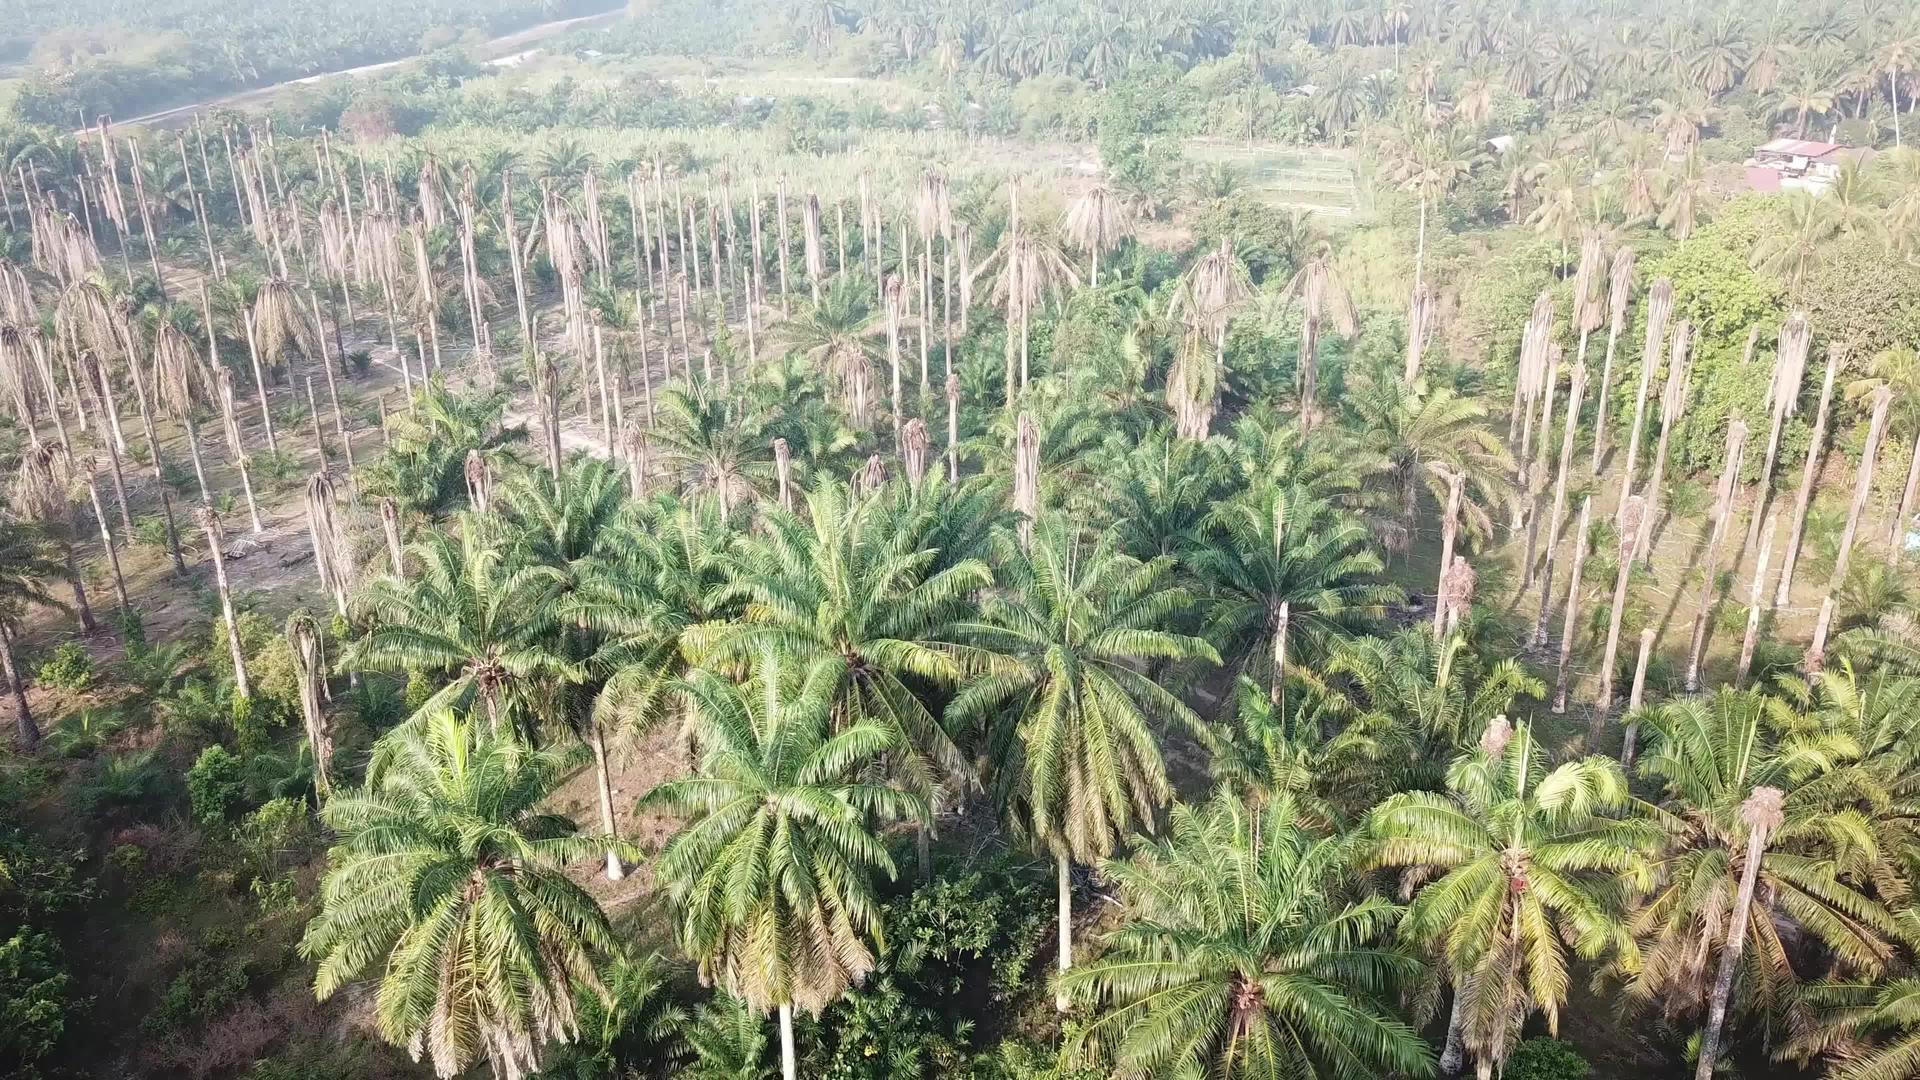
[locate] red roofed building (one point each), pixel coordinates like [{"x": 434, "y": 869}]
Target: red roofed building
[{"x": 1796, "y": 164}]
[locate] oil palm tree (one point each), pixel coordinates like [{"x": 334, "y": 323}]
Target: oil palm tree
[
  {"x": 1866, "y": 1028},
  {"x": 712, "y": 449},
  {"x": 424, "y": 466},
  {"x": 1425, "y": 434},
  {"x": 772, "y": 876},
  {"x": 1284, "y": 569},
  {"x": 479, "y": 615},
  {"x": 448, "y": 881},
  {"x": 1070, "y": 718},
  {"x": 1246, "y": 952},
  {"x": 1525, "y": 867},
  {"x": 1708, "y": 755},
  {"x": 846, "y": 581},
  {"x": 839, "y": 335}
]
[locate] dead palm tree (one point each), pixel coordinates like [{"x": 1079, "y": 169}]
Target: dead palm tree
[
  {"x": 1097, "y": 222},
  {"x": 1031, "y": 269},
  {"x": 1673, "y": 404},
  {"x": 1323, "y": 295},
  {"x": 1722, "y": 510},
  {"x": 1659, "y": 310},
  {"x": 1205, "y": 300},
  {"x": 1619, "y": 295},
  {"x": 1862, "y": 487},
  {"x": 1783, "y": 401},
  {"x": 1816, "y": 448}
]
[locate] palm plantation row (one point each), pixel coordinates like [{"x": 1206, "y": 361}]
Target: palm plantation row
[{"x": 903, "y": 524}]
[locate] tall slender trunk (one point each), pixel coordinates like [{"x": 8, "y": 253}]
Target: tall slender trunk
[
  {"x": 1575, "y": 394},
  {"x": 1754, "y": 596},
  {"x": 1896, "y": 533},
  {"x": 1631, "y": 512},
  {"x": 1672, "y": 406},
  {"x": 216, "y": 544},
  {"x": 1659, "y": 306},
  {"x": 1449, "y": 534},
  {"x": 1065, "y": 900},
  {"x": 1862, "y": 487},
  {"x": 1636, "y": 695},
  {"x": 1761, "y": 814},
  {"x": 1722, "y": 511},
  {"x": 23, "y": 713},
  {"x": 789, "y": 1066},
  {"x": 106, "y": 541},
  {"x": 604, "y": 782},
  {"x": 1570, "y": 623},
  {"x": 1816, "y": 446},
  {"x": 390, "y": 525}
]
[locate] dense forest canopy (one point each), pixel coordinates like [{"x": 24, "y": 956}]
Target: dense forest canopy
[{"x": 997, "y": 541}]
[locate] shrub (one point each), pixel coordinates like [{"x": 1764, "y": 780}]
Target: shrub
[
  {"x": 1546, "y": 1059},
  {"x": 216, "y": 785},
  {"x": 33, "y": 1001},
  {"x": 69, "y": 668}
]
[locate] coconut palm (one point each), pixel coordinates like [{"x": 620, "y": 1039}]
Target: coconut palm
[
  {"x": 477, "y": 614},
  {"x": 1069, "y": 720},
  {"x": 772, "y": 876},
  {"x": 1524, "y": 868},
  {"x": 447, "y": 883},
  {"x": 1247, "y": 952}
]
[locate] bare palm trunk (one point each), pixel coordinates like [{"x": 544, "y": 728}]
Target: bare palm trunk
[
  {"x": 1783, "y": 393},
  {"x": 1722, "y": 511},
  {"x": 1907, "y": 493},
  {"x": 1761, "y": 813},
  {"x": 1631, "y": 512},
  {"x": 390, "y": 525},
  {"x": 1636, "y": 695},
  {"x": 1575, "y": 393},
  {"x": 1862, "y": 487},
  {"x": 1065, "y": 902},
  {"x": 1672, "y": 406},
  {"x": 604, "y": 783},
  {"x": 1816, "y": 446},
  {"x": 1659, "y": 306},
  {"x": 1449, "y": 534},
  {"x": 789, "y": 1067},
  {"x": 216, "y": 545},
  {"x": 1754, "y": 609},
  {"x": 1570, "y": 622},
  {"x": 23, "y": 713},
  {"x": 106, "y": 541}
]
